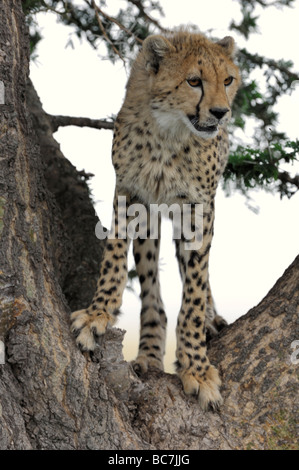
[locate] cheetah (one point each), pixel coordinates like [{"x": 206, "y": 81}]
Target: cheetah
[{"x": 170, "y": 146}]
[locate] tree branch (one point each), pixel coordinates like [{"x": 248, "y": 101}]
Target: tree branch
[
  {"x": 114, "y": 20},
  {"x": 62, "y": 121},
  {"x": 101, "y": 26},
  {"x": 273, "y": 64},
  {"x": 147, "y": 17}
]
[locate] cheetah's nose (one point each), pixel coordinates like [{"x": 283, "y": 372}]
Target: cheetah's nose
[{"x": 219, "y": 113}]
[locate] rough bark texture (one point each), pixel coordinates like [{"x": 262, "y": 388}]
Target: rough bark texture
[{"x": 51, "y": 396}]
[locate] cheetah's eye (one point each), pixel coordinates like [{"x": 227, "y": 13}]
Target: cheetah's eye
[
  {"x": 194, "y": 82},
  {"x": 228, "y": 81}
]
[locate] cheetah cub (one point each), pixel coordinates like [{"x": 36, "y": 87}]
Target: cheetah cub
[{"x": 170, "y": 147}]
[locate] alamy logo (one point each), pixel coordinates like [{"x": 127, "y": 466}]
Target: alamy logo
[
  {"x": 138, "y": 221},
  {"x": 2, "y": 93},
  {"x": 295, "y": 355},
  {"x": 2, "y": 353}
]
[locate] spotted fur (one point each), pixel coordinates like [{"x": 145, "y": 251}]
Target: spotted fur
[{"x": 170, "y": 146}]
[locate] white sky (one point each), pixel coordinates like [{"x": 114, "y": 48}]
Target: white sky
[{"x": 249, "y": 252}]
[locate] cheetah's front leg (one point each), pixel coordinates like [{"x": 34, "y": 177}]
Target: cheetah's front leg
[
  {"x": 198, "y": 376},
  {"x": 90, "y": 323}
]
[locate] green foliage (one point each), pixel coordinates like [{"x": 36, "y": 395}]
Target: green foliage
[
  {"x": 84, "y": 22},
  {"x": 30, "y": 8},
  {"x": 255, "y": 168},
  {"x": 252, "y": 101},
  {"x": 249, "y": 22}
]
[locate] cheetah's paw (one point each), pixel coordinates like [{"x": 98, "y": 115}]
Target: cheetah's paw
[
  {"x": 206, "y": 386},
  {"x": 87, "y": 327},
  {"x": 142, "y": 363}
]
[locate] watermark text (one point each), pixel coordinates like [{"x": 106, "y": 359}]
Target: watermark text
[
  {"x": 2, "y": 93},
  {"x": 2, "y": 353},
  {"x": 295, "y": 355},
  {"x": 138, "y": 221}
]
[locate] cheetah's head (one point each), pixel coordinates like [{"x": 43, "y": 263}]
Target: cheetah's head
[{"x": 191, "y": 81}]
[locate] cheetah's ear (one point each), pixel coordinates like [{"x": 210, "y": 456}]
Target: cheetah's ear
[
  {"x": 229, "y": 46},
  {"x": 155, "y": 48}
]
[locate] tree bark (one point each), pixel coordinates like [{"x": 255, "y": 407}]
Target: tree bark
[{"x": 52, "y": 396}]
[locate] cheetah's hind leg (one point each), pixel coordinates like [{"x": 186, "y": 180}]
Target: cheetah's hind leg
[
  {"x": 214, "y": 323},
  {"x": 153, "y": 319},
  {"x": 214, "y": 326}
]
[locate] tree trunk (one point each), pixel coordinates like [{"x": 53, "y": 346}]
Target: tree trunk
[{"x": 52, "y": 396}]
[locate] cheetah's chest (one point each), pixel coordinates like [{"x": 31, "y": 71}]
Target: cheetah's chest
[{"x": 167, "y": 172}]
